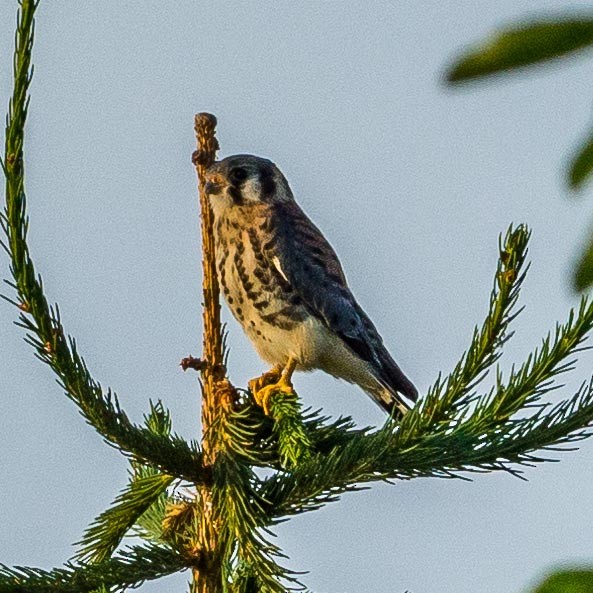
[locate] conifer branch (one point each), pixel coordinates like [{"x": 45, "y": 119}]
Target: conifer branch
[
  {"x": 468, "y": 447},
  {"x": 247, "y": 434},
  {"x": 327, "y": 433},
  {"x": 147, "y": 487},
  {"x": 171, "y": 454},
  {"x": 106, "y": 532},
  {"x": 42, "y": 322},
  {"x": 535, "y": 377},
  {"x": 482, "y": 437},
  {"x": 149, "y": 524},
  {"x": 131, "y": 568},
  {"x": 240, "y": 535},
  {"x": 289, "y": 430},
  {"x": 277, "y": 440},
  {"x": 243, "y": 580},
  {"x": 448, "y": 395},
  {"x": 244, "y": 437},
  {"x": 213, "y": 369}
]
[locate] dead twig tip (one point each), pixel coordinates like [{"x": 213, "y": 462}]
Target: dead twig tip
[{"x": 190, "y": 362}]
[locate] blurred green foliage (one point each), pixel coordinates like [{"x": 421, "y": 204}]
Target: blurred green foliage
[
  {"x": 526, "y": 44},
  {"x": 567, "y": 581},
  {"x": 520, "y": 46}
]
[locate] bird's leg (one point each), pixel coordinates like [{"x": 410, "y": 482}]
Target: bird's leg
[{"x": 276, "y": 380}]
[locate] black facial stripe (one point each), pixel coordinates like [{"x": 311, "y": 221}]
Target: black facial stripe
[
  {"x": 267, "y": 182},
  {"x": 235, "y": 193}
]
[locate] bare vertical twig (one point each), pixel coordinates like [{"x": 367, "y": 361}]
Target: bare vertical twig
[
  {"x": 212, "y": 370},
  {"x": 207, "y": 579}
]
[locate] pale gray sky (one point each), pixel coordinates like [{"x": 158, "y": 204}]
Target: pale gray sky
[{"x": 411, "y": 182}]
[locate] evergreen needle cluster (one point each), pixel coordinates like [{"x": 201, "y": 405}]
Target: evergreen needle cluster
[{"x": 310, "y": 460}]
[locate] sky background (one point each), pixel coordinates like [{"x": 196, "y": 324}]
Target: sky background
[{"x": 412, "y": 184}]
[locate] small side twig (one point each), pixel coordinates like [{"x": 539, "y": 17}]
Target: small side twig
[{"x": 190, "y": 362}]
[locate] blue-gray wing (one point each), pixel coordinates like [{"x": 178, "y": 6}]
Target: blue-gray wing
[{"x": 313, "y": 270}]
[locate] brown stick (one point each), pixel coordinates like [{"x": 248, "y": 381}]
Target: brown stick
[
  {"x": 208, "y": 578},
  {"x": 213, "y": 371}
]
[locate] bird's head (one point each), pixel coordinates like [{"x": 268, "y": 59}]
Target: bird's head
[{"x": 245, "y": 180}]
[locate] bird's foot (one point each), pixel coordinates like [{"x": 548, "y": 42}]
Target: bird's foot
[
  {"x": 275, "y": 380},
  {"x": 264, "y": 395},
  {"x": 269, "y": 377}
]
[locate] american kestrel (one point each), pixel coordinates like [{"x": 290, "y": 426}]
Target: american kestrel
[{"x": 284, "y": 283}]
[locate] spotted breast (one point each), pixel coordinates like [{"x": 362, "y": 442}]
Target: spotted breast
[{"x": 258, "y": 294}]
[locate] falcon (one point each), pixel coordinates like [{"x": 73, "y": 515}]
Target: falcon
[{"x": 284, "y": 284}]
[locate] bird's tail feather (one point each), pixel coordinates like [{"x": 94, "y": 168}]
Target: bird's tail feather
[
  {"x": 395, "y": 385},
  {"x": 391, "y": 402}
]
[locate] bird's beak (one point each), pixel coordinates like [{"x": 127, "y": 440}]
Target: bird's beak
[
  {"x": 212, "y": 188},
  {"x": 214, "y": 184}
]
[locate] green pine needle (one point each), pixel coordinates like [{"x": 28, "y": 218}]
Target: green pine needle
[
  {"x": 294, "y": 443},
  {"x": 448, "y": 395},
  {"x": 130, "y": 568},
  {"x": 107, "y": 531},
  {"x": 241, "y": 516},
  {"x": 147, "y": 489},
  {"x": 535, "y": 377}
]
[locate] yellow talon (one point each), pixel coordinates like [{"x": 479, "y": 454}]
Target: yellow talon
[
  {"x": 265, "y": 393},
  {"x": 274, "y": 381},
  {"x": 271, "y": 376}
]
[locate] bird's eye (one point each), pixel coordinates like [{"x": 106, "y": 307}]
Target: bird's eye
[{"x": 239, "y": 174}]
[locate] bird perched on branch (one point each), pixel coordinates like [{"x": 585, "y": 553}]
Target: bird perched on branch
[{"x": 284, "y": 283}]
